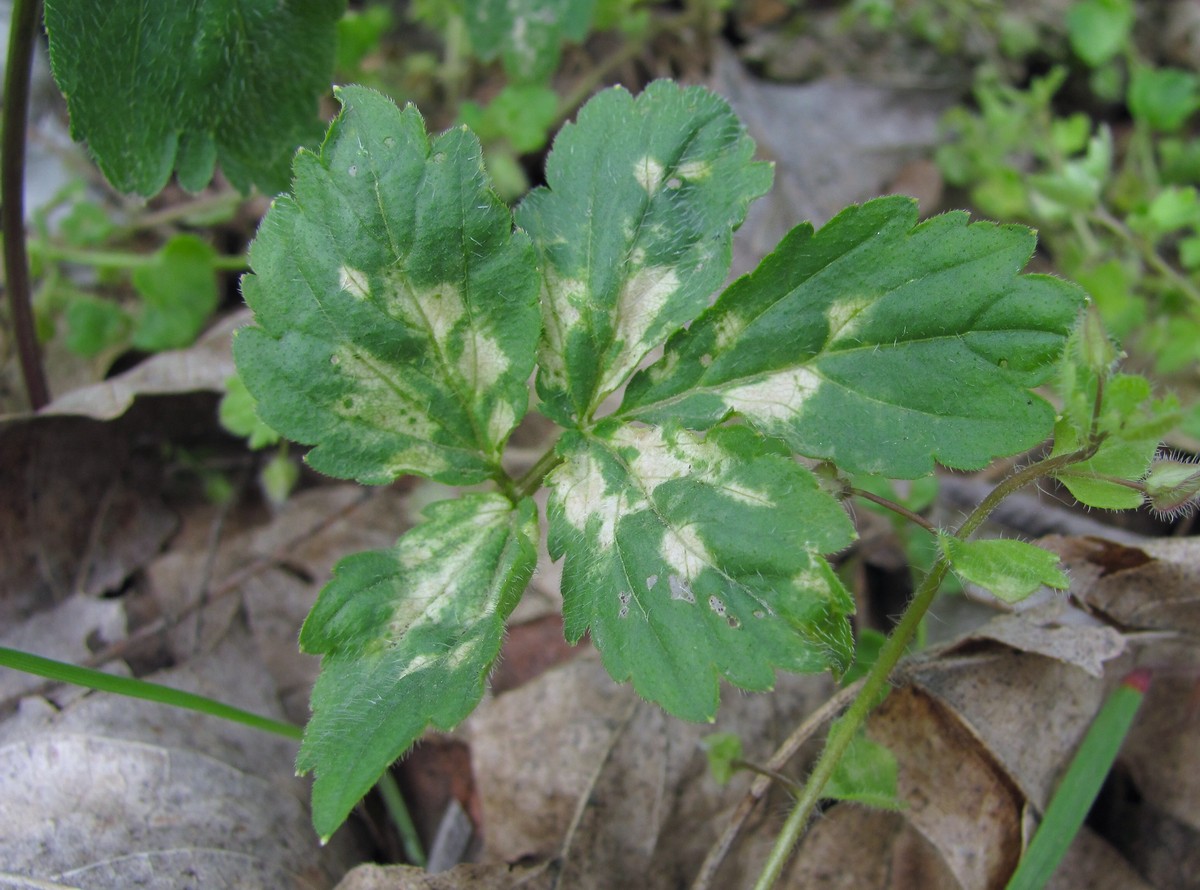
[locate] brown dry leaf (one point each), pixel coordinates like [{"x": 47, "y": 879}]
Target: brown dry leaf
[
  {"x": 461, "y": 877},
  {"x": 1152, "y": 586},
  {"x": 114, "y": 792},
  {"x": 203, "y": 366},
  {"x": 82, "y": 509},
  {"x": 574, "y": 768},
  {"x": 958, "y": 801}
]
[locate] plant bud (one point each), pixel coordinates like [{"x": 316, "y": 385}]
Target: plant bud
[
  {"x": 1095, "y": 346},
  {"x": 1172, "y": 486}
]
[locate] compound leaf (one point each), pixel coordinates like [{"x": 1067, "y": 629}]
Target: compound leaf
[
  {"x": 154, "y": 87},
  {"x": 408, "y": 636},
  {"x": 398, "y": 310},
  {"x": 694, "y": 558},
  {"x": 634, "y": 232},
  {"x": 526, "y": 34},
  {"x": 876, "y": 344}
]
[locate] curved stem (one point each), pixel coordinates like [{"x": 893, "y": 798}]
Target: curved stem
[
  {"x": 875, "y": 683},
  {"x": 532, "y": 480},
  {"x": 894, "y": 507},
  {"x": 12, "y": 189}
]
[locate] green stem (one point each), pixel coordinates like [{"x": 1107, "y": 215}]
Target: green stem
[
  {"x": 121, "y": 259},
  {"x": 12, "y": 192},
  {"x": 532, "y": 480},
  {"x": 1146, "y": 251},
  {"x": 133, "y": 688},
  {"x": 842, "y": 732},
  {"x": 393, "y": 801},
  {"x": 894, "y": 507}
]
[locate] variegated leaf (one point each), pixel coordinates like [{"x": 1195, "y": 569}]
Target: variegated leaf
[
  {"x": 695, "y": 558},
  {"x": 408, "y": 636},
  {"x": 634, "y": 231},
  {"x": 877, "y": 343},
  {"x": 396, "y": 308}
]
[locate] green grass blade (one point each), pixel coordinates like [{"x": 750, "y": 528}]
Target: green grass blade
[
  {"x": 1081, "y": 784},
  {"x": 128, "y": 686}
]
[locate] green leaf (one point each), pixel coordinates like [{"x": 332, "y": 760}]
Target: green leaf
[
  {"x": 164, "y": 86},
  {"x": 179, "y": 293},
  {"x": 1163, "y": 98},
  {"x": 94, "y": 325},
  {"x": 692, "y": 559},
  {"x": 408, "y": 636},
  {"x": 876, "y": 344},
  {"x": 634, "y": 232},
  {"x": 238, "y": 413},
  {"x": 867, "y": 773},
  {"x": 1012, "y": 570},
  {"x": 723, "y": 749},
  {"x": 522, "y": 115},
  {"x": 1099, "y": 29},
  {"x": 526, "y": 34},
  {"x": 398, "y": 310}
]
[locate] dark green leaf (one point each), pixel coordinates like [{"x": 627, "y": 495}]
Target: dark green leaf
[
  {"x": 876, "y": 344},
  {"x": 398, "y": 310},
  {"x": 691, "y": 559},
  {"x": 408, "y": 636},
  {"x": 634, "y": 232},
  {"x": 155, "y": 87}
]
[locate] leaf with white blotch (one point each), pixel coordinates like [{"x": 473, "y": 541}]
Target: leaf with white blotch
[
  {"x": 634, "y": 232},
  {"x": 156, "y": 87},
  {"x": 408, "y": 636},
  {"x": 876, "y": 343},
  {"x": 526, "y": 34},
  {"x": 695, "y": 558},
  {"x": 1012, "y": 570},
  {"x": 397, "y": 309}
]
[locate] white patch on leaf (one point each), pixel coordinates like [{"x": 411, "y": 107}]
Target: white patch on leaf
[
  {"x": 501, "y": 421},
  {"x": 691, "y": 171},
  {"x": 482, "y": 362},
  {"x": 654, "y": 463},
  {"x": 680, "y": 589},
  {"x": 729, "y": 329},
  {"x": 581, "y": 491},
  {"x": 435, "y": 310},
  {"x": 640, "y": 304},
  {"x": 779, "y": 396},
  {"x": 561, "y": 301},
  {"x": 682, "y": 550},
  {"x": 746, "y": 495},
  {"x": 649, "y": 174},
  {"x": 354, "y": 281},
  {"x": 844, "y": 317}
]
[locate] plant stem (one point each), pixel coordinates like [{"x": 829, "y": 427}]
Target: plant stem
[
  {"x": 842, "y": 732},
  {"x": 133, "y": 688},
  {"x": 122, "y": 259},
  {"x": 393, "y": 802},
  {"x": 532, "y": 480},
  {"x": 895, "y": 508},
  {"x": 12, "y": 190}
]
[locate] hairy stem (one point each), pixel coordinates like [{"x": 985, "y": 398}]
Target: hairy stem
[
  {"x": 532, "y": 480},
  {"x": 875, "y": 683},
  {"x": 12, "y": 190},
  {"x": 894, "y": 507}
]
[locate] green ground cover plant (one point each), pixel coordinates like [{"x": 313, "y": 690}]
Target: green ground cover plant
[{"x": 710, "y": 440}]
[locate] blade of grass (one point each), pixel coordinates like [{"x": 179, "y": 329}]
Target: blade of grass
[
  {"x": 128, "y": 686},
  {"x": 1079, "y": 787},
  {"x": 393, "y": 801}
]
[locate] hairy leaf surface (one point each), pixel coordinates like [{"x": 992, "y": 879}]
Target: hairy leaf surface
[
  {"x": 156, "y": 87},
  {"x": 397, "y": 310},
  {"x": 695, "y": 558},
  {"x": 876, "y": 343},
  {"x": 1012, "y": 570},
  {"x": 526, "y": 34},
  {"x": 634, "y": 232},
  {"x": 408, "y": 636}
]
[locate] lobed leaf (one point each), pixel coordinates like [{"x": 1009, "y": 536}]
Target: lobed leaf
[
  {"x": 408, "y": 636},
  {"x": 694, "y": 558},
  {"x": 634, "y": 232},
  {"x": 159, "y": 87},
  {"x": 526, "y": 34},
  {"x": 397, "y": 309},
  {"x": 876, "y": 343}
]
